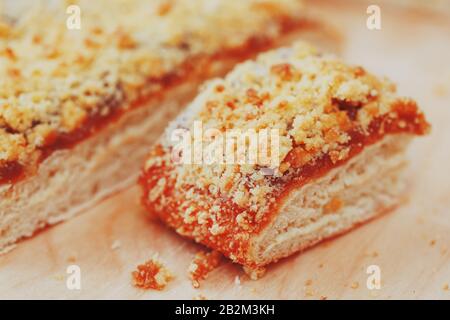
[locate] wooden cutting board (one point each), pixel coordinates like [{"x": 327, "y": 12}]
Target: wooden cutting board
[{"x": 411, "y": 246}]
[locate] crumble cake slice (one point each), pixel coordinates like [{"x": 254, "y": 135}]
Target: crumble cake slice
[{"x": 342, "y": 137}]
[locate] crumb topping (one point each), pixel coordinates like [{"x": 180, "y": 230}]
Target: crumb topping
[
  {"x": 202, "y": 265},
  {"x": 355, "y": 285},
  {"x": 54, "y": 80},
  {"x": 325, "y": 110},
  {"x": 152, "y": 275}
]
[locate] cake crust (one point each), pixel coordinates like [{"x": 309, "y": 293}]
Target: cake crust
[{"x": 327, "y": 112}]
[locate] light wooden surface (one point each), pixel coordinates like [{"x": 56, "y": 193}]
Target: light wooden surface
[{"x": 411, "y": 245}]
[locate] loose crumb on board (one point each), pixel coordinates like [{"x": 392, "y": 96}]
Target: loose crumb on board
[
  {"x": 372, "y": 254},
  {"x": 446, "y": 287},
  {"x": 309, "y": 292},
  {"x": 152, "y": 275},
  {"x": 355, "y": 285},
  {"x": 440, "y": 90},
  {"x": 199, "y": 297},
  {"x": 58, "y": 277},
  {"x": 255, "y": 273},
  {"x": 202, "y": 265},
  {"x": 71, "y": 258}
]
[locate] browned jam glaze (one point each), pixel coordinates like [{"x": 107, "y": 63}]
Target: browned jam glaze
[
  {"x": 228, "y": 242},
  {"x": 10, "y": 172},
  {"x": 196, "y": 67}
]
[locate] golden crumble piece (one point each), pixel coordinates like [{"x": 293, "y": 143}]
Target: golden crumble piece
[
  {"x": 11, "y": 147},
  {"x": 72, "y": 116},
  {"x": 152, "y": 275}
]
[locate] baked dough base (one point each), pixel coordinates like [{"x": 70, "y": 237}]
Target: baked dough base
[{"x": 366, "y": 186}]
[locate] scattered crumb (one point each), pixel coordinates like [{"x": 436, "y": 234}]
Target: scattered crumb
[
  {"x": 199, "y": 297},
  {"x": 440, "y": 90},
  {"x": 373, "y": 294},
  {"x": 202, "y": 265},
  {"x": 309, "y": 292},
  {"x": 255, "y": 273},
  {"x": 445, "y": 287},
  {"x": 355, "y": 285},
  {"x": 321, "y": 266},
  {"x": 58, "y": 277},
  {"x": 432, "y": 242},
  {"x": 372, "y": 254},
  {"x": 152, "y": 275},
  {"x": 116, "y": 245},
  {"x": 323, "y": 297},
  {"x": 252, "y": 290},
  {"x": 72, "y": 259},
  {"x": 308, "y": 282}
]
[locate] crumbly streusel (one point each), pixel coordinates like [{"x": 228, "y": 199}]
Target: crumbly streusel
[
  {"x": 152, "y": 275},
  {"x": 53, "y": 80}
]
